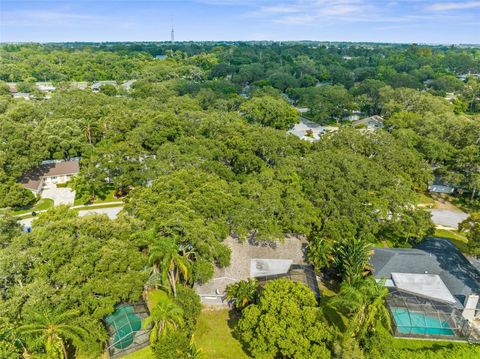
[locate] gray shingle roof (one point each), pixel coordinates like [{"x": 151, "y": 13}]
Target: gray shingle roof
[{"x": 435, "y": 256}]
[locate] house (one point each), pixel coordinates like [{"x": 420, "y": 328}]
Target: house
[
  {"x": 50, "y": 172},
  {"x": 370, "y": 123},
  {"x": 354, "y": 116},
  {"x": 45, "y": 86},
  {"x": 465, "y": 77},
  {"x": 160, "y": 57},
  {"x": 24, "y": 95},
  {"x": 438, "y": 186},
  {"x": 307, "y": 130},
  {"x": 97, "y": 85},
  {"x": 263, "y": 261},
  {"x": 12, "y": 86},
  {"x": 302, "y": 110},
  {"x": 433, "y": 290},
  {"x": 450, "y": 96},
  {"x": 79, "y": 85}
]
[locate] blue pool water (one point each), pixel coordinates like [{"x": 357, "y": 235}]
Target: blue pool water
[{"x": 418, "y": 323}]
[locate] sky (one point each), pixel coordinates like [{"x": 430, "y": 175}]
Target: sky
[{"x": 407, "y": 21}]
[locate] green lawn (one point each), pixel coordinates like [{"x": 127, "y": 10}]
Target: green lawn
[
  {"x": 425, "y": 200},
  {"x": 456, "y": 238},
  {"x": 106, "y": 196},
  {"x": 42, "y": 204},
  {"x": 144, "y": 353},
  {"x": 214, "y": 336}
]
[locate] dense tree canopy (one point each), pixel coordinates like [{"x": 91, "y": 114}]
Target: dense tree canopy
[
  {"x": 198, "y": 147},
  {"x": 286, "y": 323},
  {"x": 89, "y": 263}
]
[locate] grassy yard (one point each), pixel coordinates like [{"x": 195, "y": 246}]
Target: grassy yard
[
  {"x": 42, "y": 204},
  {"x": 456, "y": 238},
  {"x": 425, "y": 200},
  {"x": 144, "y": 353},
  {"x": 104, "y": 197},
  {"x": 214, "y": 336},
  {"x": 413, "y": 344}
]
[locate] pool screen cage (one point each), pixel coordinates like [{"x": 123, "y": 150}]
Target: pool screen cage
[
  {"x": 126, "y": 331},
  {"x": 414, "y": 316}
]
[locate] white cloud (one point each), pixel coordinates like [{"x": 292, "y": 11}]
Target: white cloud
[
  {"x": 309, "y": 11},
  {"x": 459, "y": 5},
  {"x": 280, "y": 9}
]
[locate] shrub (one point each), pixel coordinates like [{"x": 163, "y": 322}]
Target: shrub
[{"x": 189, "y": 301}]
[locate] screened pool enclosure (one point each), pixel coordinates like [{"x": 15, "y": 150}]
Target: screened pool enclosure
[
  {"x": 414, "y": 316},
  {"x": 126, "y": 331}
]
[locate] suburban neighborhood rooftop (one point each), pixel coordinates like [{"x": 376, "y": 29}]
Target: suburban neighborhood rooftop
[
  {"x": 33, "y": 179},
  {"x": 432, "y": 256}
]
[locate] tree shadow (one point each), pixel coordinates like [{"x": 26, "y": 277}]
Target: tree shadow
[
  {"x": 332, "y": 315},
  {"x": 233, "y": 318}
]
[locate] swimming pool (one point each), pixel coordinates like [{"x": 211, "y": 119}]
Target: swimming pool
[{"x": 419, "y": 323}]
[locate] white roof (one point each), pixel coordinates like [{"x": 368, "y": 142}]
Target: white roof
[
  {"x": 267, "y": 267},
  {"x": 300, "y": 130},
  {"x": 424, "y": 285}
]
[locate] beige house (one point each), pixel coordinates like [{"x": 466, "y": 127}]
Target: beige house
[
  {"x": 370, "y": 123},
  {"x": 257, "y": 260},
  {"x": 50, "y": 172}
]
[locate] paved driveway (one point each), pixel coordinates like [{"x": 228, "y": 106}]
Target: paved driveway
[
  {"x": 447, "y": 217},
  {"x": 59, "y": 195}
]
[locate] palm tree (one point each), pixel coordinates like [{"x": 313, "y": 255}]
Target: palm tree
[
  {"x": 167, "y": 261},
  {"x": 319, "y": 252},
  {"x": 193, "y": 351},
  {"x": 165, "y": 316},
  {"x": 364, "y": 304},
  {"x": 243, "y": 292},
  {"x": 352, "y": 260},
  {"x": 56, "y": 331}
]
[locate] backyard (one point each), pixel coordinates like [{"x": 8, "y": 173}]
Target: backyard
[
  {"x": 144, "y": 353},
  {"x": 214, "y": 336}
]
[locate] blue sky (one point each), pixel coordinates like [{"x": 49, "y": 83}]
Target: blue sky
[{"x": 422, "y": 21}]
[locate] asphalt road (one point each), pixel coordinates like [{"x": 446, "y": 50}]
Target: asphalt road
[{"x": 111, "y": 212}]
